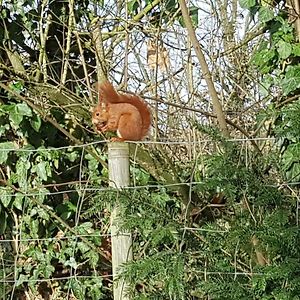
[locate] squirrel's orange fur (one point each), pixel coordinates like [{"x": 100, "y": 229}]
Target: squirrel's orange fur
[{"x": 127, "y": 115}]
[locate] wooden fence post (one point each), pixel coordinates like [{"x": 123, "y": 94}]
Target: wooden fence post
[{"x": 121, "y": 242}]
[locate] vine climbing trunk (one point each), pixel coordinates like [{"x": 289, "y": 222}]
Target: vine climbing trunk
[{"x": 205, "y": 70}]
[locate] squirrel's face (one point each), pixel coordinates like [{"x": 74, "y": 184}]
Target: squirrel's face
[{"x": 100, "y": 117}]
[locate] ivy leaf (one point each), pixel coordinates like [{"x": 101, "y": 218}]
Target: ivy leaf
[
  {"x": 36, "y": 122},
  {"x": 296, "y": 49},
  {"x": 265, "y": 14},
  {"x": 43, "y": 214},
  {"x": 293, "y": 174},
  {"x": 8, "y": 108},
  {"x": 34, "y": 227},
  {"x": 291, "y": 162},
  {"x": 265, "y": 56},
  {"x": 85, "y": 228},
  {"x": 24, "y": 110},
  {"x": 132, "y": 6},
  {"x": 41, "y": 170},
  {"x": 5, "y": 148},
  {"x": 284, "y": 49},
  {"x": 3, "y": 129},
  {"x": 5, "y": 196},
  {"x": 291, "y": 81},
  {"x": 247, "y": 3},
  {"x": 18, "y": 202},
  {"x": 15, "y": 117},
  {"x": 263, "y": 59},
  {"x": 23, "y": 165}
]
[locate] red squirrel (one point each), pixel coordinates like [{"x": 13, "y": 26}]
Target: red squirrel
[{"x": 126, "y": 114}]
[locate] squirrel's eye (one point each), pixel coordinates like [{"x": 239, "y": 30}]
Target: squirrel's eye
[{"x": 97, "y": 114}]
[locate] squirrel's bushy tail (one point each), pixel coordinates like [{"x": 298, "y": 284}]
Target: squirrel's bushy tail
[{"x": 107, "y": 94}]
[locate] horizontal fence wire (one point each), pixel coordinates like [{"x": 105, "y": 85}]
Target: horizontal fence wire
[
  {"x": 110, "y": 189},
  {"x": 75, "y": 236},
  {"x": 56, "y": 278},
  {"x": 109, "y": 276},
  {"x": 159, "y": 142}
]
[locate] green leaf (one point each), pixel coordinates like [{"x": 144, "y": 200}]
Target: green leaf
[
  {"x": 23, "y": 165},
  {"x": 5, "y": 196},
  {"x": 85, "y": 228},
  {"x": 132, "y": 6},
  {"x": 247, "y": 3},
  {"x": 93, "y": 258},
  {"x": 36, "y": 122},
  {"x": 263, "y": 56},
  {"x": 265, "y": 14},
  {"x": 34, "y": 227},
  {"x": 296, "y": 49},
  {"x": 18, "y": 202},
  {"x": 78, "y": 288},
  {"x": 263, "y": 59},
  {"x": 3, "y": 129},
  {"x": 33, "y": 212},
  {"x": 293, "y": 174},
  {"x": 24, "y": 110},
  {"x": 291, "y": 81},
  {"x": 15, "y": 117},
  {"x": 284, "y": 49},
  {"x": 194, "y": 15},
  {"x": 43, "y": 214},
  {"x": 291, "y": 162},
  {"x": 48, "y": 270},
  {"x": 83, "y": 247},
  {"x": 41, "y": 170},
  {"x": 171, "y": 5},
  {"x": 8, "y": 108},
  {"x": 5, "y": 148},
  {"x": 42, "y": 195}
]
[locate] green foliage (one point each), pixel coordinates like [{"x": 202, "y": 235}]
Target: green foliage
[
  {"x": 34, "y": 189},
  {"x": 265, "y": 14},
  {"x": 159, "y": 276},
  {"x": 273, "y": 55},
  {"x": 194, "y": 14},
  {"x": 217, "y": 258},
  {"x": 166, "y": 12},
  {"x": 247, "y": 3},
  {"x": 57, "y": 201},
  {"x": 291, "y": 80},
  {"x": 287, "y": 132}
]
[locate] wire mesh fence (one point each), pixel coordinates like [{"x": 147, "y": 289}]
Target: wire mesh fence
[{"x": 20, "y": 240}]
